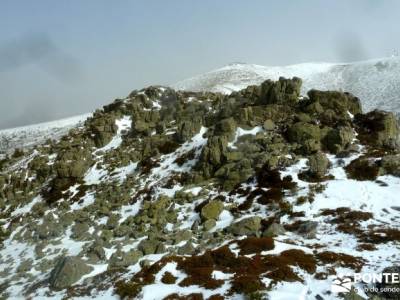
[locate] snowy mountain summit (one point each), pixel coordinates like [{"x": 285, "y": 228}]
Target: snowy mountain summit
[
  {"x": 265, "y": 193},
  {"x": 376, "y": 82}
]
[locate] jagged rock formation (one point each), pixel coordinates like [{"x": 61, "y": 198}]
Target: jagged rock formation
[{"x": 202, "y": 194}]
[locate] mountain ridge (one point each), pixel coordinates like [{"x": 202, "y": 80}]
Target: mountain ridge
[
  {"x": 374, "y": 93},
  {"x": 376, "y": 82}
]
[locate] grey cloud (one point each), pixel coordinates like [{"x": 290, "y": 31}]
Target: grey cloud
[
  {"x": 41, "y": 50},
  {"x": 350, "y": 47}
]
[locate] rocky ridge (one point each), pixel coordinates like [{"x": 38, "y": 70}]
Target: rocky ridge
[{"x": 203, "y": 195}]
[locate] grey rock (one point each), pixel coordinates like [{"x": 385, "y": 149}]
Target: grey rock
[
  {"x": 319, "y": 164},
  {"x": 249, "y": 226},
  {"x": 269, "y": 125},
  {"x": 308, "y": 229},
  {"x": 273, "y": 230},
  {"x": 212, "y": 210},
  {"x": 390, "y": 164},
  {"x": 186, "y": 249},
  {"x": 209, "y": 224},
  {"x": 121, "y": 259},
  {"x": 68, "y": 271}
]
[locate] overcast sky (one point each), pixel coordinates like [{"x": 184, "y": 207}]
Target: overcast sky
[{"x": 63, "y": 58}]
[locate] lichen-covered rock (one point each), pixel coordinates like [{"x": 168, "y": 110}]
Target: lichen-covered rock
[
  {"x": 273, "y": 230},
  {"x": 379, "y": 128},
  {"x": 308, "y": 229},
  {"x": 151, "y": 247},
  {"x": 96, "y": 251},
  {"x": 340, "y": 103},
  {"x": 73, "y": 163},
  {"x": 80, "y": 231},
  {"x": 39, "y": 165},
  {"x": 209, "y": 224},
  {"x": 187, "y": 249},
  {"x": 188, "y": 128},
  {"x": 226, "y": 127},
  {"x": 212, "y": 210},
  {"x": 269, "y": 125},
  {"x": 305, "y": 134},
  {"x": 319, "y": 164},
  {"x": 48, "y": 229},
  {"x": 102, "y": 128},
  {"x": 390, "y": 164},
  {"x": 283, "y": 91},
  {"x": 301, "y": 132},
  {"x": 68, "y": 271},
  {"x": 120, "y": 259},
  {"x": 213, "y": 154},
  {"x": 339, "y": 139},
  {"x": 249, "y": 226}
]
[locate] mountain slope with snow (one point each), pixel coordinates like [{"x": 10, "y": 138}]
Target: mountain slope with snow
[
  {"x": 28, "y": 136},
  {"x": 375, "y": 82},
  {"x": 182, "y": 195}
]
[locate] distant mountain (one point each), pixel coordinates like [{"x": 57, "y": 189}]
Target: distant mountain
[
  {"x": 376, "y": 82},
  {"x": 31, "y": 135}
]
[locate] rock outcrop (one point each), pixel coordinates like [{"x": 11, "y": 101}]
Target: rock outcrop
[{"x": 68, "y": 271}]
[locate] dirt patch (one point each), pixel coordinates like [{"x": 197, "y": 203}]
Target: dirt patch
[
  {"x": 255, "y": 245},
  {"x": 380, "y": 235},
  {"x": 340, "y": 259},
  {"x": 347, "y": 220},
  {"x": 175, "y": 296},
  {"x": 168, "y": 278}
]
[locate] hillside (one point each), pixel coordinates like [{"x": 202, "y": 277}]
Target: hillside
[
  {"x": 199, "y": 195},
  {"x": 31, "y": 135}
]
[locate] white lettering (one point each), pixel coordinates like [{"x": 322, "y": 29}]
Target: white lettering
[
  {"x": 357, "y": 277},
  {"x": 377, "y": 278},
  {"x": 386, "y": 276},
  {"x": 367, "y": 277}
]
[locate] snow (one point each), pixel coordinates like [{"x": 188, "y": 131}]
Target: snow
[
  {"x": 123, "y": 124},
  {"x": 122, "y": 173},
  {"x": 159, "y": 290},
  {"x": 87, "y": 200},
  {"x": 341, "y": 191},
  {"x": 195, "y": 190},
  {"x": 168, "y": 164},
  {"x": 127, "y": 211},
  {"x": 26, "y": 208},
  {"x": 241, "y": 132},
  {"x": 225, "y": 219},
  {"x": 67, "y": 243},
  {"x": 94, "y": 175},
  {"x": 29, "y": 136}
]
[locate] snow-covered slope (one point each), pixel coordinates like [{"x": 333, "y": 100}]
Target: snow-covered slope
[
  {"x": 28, "y": 136},
  {"x": 375, "y": 82},
  {"x": 169, "y": 195}
]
